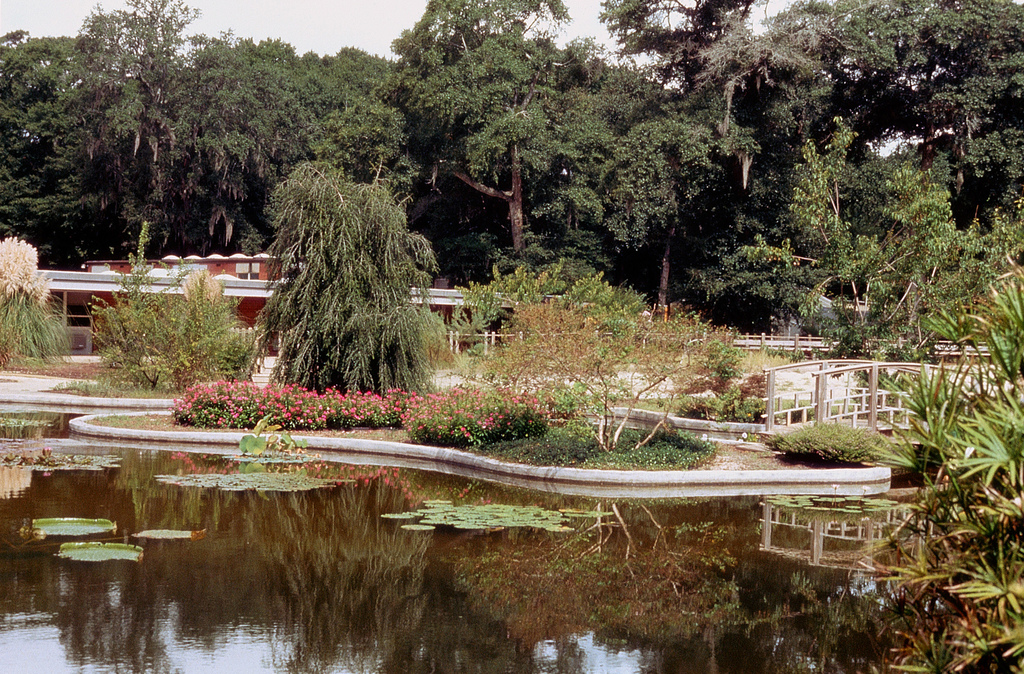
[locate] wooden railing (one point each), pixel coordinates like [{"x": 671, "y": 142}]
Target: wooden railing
[
  {"x": 837, "y": 395},
  {"x": 810, "y": 346}
]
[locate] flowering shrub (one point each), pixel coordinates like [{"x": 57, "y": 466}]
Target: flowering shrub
[
  {"x": 244, "y": 404},
  {"x": 368, "y": 409},
  {"x": 461, "y": 418}
]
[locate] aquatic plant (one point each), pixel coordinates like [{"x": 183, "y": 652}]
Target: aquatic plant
[
  {"x": 482, "y": 517},
  {"x": 69, "y": 526},
  {"x": 256, "y": 443},
  {"x": 255, "y": 481},
  {"x": 45, "y": 459},
  {"x": 171, "y": 534},
  {"x": 100, "y": 552}
]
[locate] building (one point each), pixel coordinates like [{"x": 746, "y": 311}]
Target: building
[{"x": 244, "y": 278}]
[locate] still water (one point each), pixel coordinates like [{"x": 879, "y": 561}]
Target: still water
[{"x": 318, "y": 581}]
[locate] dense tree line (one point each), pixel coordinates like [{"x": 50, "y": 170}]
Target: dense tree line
[{"x": 679, "y": 177}]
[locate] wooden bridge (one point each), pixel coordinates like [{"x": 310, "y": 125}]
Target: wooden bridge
[{"x": 837, "y": 391}]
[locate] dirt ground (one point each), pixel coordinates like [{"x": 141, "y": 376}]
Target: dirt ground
[{"x": 76, "y": 369}]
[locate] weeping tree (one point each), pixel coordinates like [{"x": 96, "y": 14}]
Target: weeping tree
[
  {"x": 345, "y": 264},
  {"x": 30, "y": 324}
]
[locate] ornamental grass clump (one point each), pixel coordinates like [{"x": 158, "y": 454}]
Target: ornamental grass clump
[
  {"x": 470, "y": 418},
  {"x": 30, "y": 324}
]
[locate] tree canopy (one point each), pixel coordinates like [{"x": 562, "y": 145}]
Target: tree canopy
[{"x": 659, "y": 166}]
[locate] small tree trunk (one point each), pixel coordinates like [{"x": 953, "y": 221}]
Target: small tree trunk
[
  {"x": 515, "y": 202},
  {"x": 666, "y": 262}
]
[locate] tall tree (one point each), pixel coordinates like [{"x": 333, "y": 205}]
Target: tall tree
[
  {"x": 944, "y": 76},
  {"x": 38, "y": 186},
  {"x": 675, "y": 35},
  {"x": 473, "y": 77},
  {"x": 129, "y": 61},
  {"x": 661, "y": 167},
  {"x": 342, "y": 306}
]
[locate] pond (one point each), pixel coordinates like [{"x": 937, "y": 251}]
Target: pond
[{"x": 320, "y": 581}]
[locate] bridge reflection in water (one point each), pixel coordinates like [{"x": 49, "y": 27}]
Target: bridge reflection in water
[{"x": 834, "y": 537}]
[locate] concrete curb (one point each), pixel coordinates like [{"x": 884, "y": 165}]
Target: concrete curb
[
  {"x": 579, "y": 481},
  {"x": 72, "y": 402},
  {"x": 727, "y": 431}
]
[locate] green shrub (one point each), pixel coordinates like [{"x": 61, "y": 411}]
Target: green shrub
[
  {"x": 724, "y": 361},
  {"x": 158, "y": 338},
  {"x": 667, "y": 449},
  {"x": 732, "y": 405},
  {"x": 560, "y": 446},
  {"x": 575, "y": 446},
  {"x": 833, "y": 442}
]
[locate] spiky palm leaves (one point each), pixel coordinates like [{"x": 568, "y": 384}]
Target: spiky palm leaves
[
  {"x": 29, "y": 325},
  {"x": 346, "y": 264}
]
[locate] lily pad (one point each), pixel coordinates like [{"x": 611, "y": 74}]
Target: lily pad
[
  {"x": 172, "y": 534},
  {"x": 73, "y": 526},
  {"x": 418, "y": 527},
  {"x": 400, "y": 516},
  {"x": 100, "y": 552},
  {"x": 51, "y": 462},
  {"x": 283, "y": 482},
  {"x": 488, "y": 517}
]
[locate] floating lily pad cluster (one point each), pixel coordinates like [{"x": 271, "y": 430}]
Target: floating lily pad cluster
[
  {"x": 257, "y": 481},
  {"x": 481, "y": 517},
  {"x": 96, "y": 551},
  {"x": 48, "y": 462},
  {"x": 850, "y": 505}
]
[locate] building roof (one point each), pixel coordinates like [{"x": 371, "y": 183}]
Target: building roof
[
  {"x": 163, "y": 280},
  {"x": 110, "y": 282}
]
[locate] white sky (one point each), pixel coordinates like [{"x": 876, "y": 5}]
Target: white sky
[{"x": 322, "y": 26}]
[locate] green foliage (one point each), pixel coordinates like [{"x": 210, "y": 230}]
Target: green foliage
[
  {"x": 833, "y": 442},
  {"x": 257, "y": 444},
  {"x": 168, "y": 335},
  {"x": 488, "y": 303},
  {"x": 724, "y": 360},
  {"x": 576, "y": 446},
  {"x": 342, "y": 306},
  {"x": 729, "y": 405},
  {"x": 959, "y": 600},
  {"x": 610, "y": 359},
  {"x": 883, "y": 286},
  {"x": 32, "y": 329}
]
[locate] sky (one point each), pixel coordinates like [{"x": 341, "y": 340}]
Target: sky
[{"x": 321, "y": 26}]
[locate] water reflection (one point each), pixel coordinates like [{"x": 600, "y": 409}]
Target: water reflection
[
  {"x": 319, "y": 582},
  {"x": 33, "y": 425},
  {"x": 14, "y": 481}
]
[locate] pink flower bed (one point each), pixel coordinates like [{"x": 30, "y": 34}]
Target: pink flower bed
[
  {"x": 243, "y": 404},
  {"x": 457, "y": 418},
  {"x": 463, "y": 418}
]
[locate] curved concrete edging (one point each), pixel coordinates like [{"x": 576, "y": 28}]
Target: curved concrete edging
[
  {"x": 69, "y": 402},
  {"x": 722, "y": 431},
  {"x": 579, "y": 481}
]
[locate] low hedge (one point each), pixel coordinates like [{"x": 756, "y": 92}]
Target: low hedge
[
  {"x": 574, "y": 446},
  {"x": 832, "y": 442}
]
